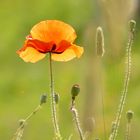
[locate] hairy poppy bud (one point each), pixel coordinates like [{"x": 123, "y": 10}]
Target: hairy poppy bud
[
  {"x": 43, "y": 99},
  {"x": 129, "y": 115},
  {"x": 56, "y": 97},
  {"x": 100, "y": 42},
  {"x": 22, "y": 123},
  {"x": 75, "y": 90},
  {"x": 132, "y": 25}
]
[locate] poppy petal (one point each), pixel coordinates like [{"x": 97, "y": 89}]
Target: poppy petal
[
  {"x": 61, "y": 47},
  {"x": 70, "y": 53},
  {"x": 78, "y": 50},
  {"x": 31, "y": 55},
  {"x": 53, "y": 30},
  {"x": 39, "y": 45}
]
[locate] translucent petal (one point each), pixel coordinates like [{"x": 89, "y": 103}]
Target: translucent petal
[
  {"x": 31, "y": 55},
  {"x": 70, "y": 53},
  {"x": 53, "y": 30}
]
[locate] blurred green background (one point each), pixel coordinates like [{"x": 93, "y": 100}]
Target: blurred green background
[{"x": 21, "y": 84}]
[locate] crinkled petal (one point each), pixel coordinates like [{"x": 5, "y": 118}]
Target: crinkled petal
[
  {"x": 30, "y": 54},
  {"x": 70, "y": 53},
  {"x": 78, "y": 50},
  {"x": 39, "y": 45},
  {"x": 53, "y": 30}
]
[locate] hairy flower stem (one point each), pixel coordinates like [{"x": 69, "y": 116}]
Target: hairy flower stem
[
  {"x": 113, "y": 135},
  {"x": 53, "y": 106},
  {"x": 102, "y": 97},
  {"x": 76, "y": 119},
  {"x": 128, "y": 130},
  {"x": 129, "y": 116},
  {"x": 19, "y": 133}
]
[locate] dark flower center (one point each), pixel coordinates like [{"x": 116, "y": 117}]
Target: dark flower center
[{"x": 53, "y": 47}]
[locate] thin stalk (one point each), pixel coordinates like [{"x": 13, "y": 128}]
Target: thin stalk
[
  {"x": 129, "y": 116},
  {"x": 77, "y": 121},
  {"x": 19, "y": 133},
  {"x": 128, "y": 130},
  {"x": 125, "y": 88},
  {"x": 53, "y": 106},
  {"x": 102, "y": 100}
]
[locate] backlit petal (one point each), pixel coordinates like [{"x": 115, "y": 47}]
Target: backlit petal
[
  {"x": 61, "y": 47},
  {"x": 53, "y": 30},
  {"x": 70, "y": 53},
  {"x": 78, "y": 50},
  {"x": 31, "y": 55},
  {"x": 39, "y": 45}
]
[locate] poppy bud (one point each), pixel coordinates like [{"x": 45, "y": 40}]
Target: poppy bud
[
  {"x": 129, "y": 115},
  {"x": 132, "y": 25},
  {"x": 56, "y": 97},
  {"x": 43, "y": 99},
  {"x": 99, "y": 42},
  {"x": 75, "y": 90},
  {"x": 21, "y": 122}
]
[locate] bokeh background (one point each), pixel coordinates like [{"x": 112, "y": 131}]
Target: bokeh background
[{"x": 22, "y": 84}]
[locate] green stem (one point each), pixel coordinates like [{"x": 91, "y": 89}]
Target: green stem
[
  {"x": 53, "y": 106},
  {"x": 76, "y": 119},
  {"x": 128, "y": 129},
  {"x": 18, "y": 134},
  {"x": 125, "y": 88},
  {"x": 102, "y": 97}
]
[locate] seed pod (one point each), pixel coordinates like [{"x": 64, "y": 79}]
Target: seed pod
[{"x": 99, "y": 42}]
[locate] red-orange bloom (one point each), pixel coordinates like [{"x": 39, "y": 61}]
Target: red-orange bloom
[{"x": 52, "y": 36}]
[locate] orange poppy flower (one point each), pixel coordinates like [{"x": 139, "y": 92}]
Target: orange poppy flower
[{"x": 50, "y": 36}]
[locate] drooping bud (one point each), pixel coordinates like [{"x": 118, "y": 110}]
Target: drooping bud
[
  {"x": 132, "y": 25},
  {"x": 129, "y": 115},
  {"x": 43, "y": 99},
  {"x": 99, "y": 42},
  {"x": 75, "y": 90},
  {"x": 22, "y": 123},
  {"x": 56, "y": 97}
]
